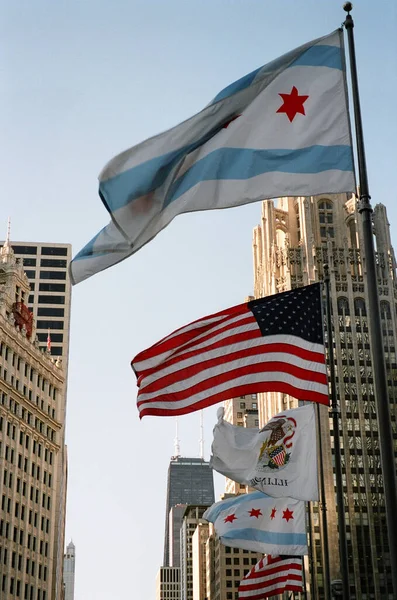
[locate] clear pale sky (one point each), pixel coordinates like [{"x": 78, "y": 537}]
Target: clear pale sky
[{"x": 82, "y": 80}]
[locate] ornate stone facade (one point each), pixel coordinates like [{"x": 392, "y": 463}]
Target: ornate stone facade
[
  {"x": 32, "y": 451},
  {"x": 290, "y": 247}
]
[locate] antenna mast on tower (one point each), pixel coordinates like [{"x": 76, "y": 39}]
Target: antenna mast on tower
[
  {"x": 177, "y": 450},
  {"x": 201, "y": 436}
]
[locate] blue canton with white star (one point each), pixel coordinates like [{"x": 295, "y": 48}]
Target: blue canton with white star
[{"x": 296, "y": 312}]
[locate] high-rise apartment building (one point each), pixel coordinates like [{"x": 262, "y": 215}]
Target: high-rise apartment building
[
  {"x": 47, "y": 268},
  {"x": 32, "y": 452},
  {"x": 69, "y": 567},
  {"x": 225, "y": 567},
  {"x": 190, "y": 481},
  {"x": 296, "y": 237},
  {"x": 192, "y": 518},
  {"x": 168, "y": 583}
]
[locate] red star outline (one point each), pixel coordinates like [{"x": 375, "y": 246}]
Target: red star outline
[
  {"x": 288, "y": 514},
  {"x": 230, "y": 518},
  {"x": 292, "y": 104},
  {"x": 255, "y": 512},
  {"x": 273, "y": 513}
]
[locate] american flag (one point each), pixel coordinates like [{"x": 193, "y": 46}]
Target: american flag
[
  {"x": 273, "y": 344},
  {"x": 272, "y": 576},
  {"x": 49, "y": 341}
]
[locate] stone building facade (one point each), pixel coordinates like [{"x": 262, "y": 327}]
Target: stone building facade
[
  {"x": 32, "y": 451},
  {"x": 295, "y": 238}
]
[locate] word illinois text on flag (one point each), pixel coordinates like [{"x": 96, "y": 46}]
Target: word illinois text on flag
[
  {"x": 260, "y": 523},
  {"x": 280, "y": 459},
  {"x": 271, "y": 344},
  {"x": 271, "y": 576},
  {"x": 282, "y": 130}
]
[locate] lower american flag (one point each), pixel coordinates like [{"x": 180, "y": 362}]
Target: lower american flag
[
  {"x": 273, "y": 344},
  {"x": 272, "y": 575}
]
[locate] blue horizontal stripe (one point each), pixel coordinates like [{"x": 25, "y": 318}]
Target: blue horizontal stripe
[
  {"x": 320, "y": 56},
  {"x": 118, "y": 191},
  {"x": 314, "y": 56},
  {"x": 267, "y": 537},
  {"x": 236, "y": 86},
  {"x": 219, "y": 507},
  {"x": 245, "y": 163}
]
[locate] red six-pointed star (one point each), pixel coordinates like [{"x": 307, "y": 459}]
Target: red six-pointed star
[
  {"x": 288, "y": 514},
  {"x": 274, "y": 510},
  {"x": 255, "y": 512},
  {"x": 230, "y": 518},
  {"x": 292, "y": 104}
]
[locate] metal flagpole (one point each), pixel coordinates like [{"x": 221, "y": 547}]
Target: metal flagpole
[
  {"x": 310, "y": 557},
  {"x": 323, "y": 506},
  {"x": 335, "y": 413},
  {"x": 378, "y": 361}
]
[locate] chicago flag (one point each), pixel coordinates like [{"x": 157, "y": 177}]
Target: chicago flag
[
  {"x": 260, "y": 523},
  {"x": 282, "y": 130}
]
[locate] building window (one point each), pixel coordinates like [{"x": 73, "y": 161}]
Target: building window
[{"x": 326, "y": 219}]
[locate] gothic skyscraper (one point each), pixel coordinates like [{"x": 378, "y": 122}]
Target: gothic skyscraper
[{"x": 296, "y": 237}]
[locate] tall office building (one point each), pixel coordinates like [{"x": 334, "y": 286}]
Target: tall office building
[
  {"x": 192, "y": 518},
  {"x": 69, "y": 565},
  {"x": 190, "y": 481},
  {"x": 47, "y": 268},
  {"x": 225, "y": 568},
  {"x": 290, "y": 246},
  {"x": 243, "y": 412},
  {"x": 168, "y": 583},
  {"x": 32, "y": 453}
]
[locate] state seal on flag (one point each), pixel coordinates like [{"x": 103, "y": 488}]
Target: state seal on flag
[{"x": 275, "y": 450}]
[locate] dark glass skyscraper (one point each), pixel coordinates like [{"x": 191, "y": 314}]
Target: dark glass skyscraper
[{"x": 190, "y": 481}]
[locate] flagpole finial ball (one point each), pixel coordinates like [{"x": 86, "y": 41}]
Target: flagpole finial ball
[{"x": 348, "y": 6}]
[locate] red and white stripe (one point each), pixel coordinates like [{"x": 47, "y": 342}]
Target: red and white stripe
[
  {"x": 272, "y": 576},
  {"x": 222, "y": 356}
]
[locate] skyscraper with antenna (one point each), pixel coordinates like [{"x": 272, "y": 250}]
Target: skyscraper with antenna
[{"x": 190, "y": 481}]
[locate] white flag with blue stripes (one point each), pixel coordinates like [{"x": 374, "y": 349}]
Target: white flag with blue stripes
[
  {"x": 260, "y": 523},
  {"x": 282, "y": 130}
]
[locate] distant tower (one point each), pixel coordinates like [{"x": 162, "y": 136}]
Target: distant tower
[
  {"x": 68, "y": 571},
  {"x": 190, "y": 481}
]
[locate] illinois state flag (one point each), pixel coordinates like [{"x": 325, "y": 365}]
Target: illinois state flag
[
  {"x": 282, "y": 130},
  {"x": 260, "y": 523},
  {"x": 279, "y": 460},
  {"x": 266, "y": 345}
]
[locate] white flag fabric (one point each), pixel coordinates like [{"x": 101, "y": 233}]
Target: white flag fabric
[
  {"x": 260, "y": 523},
  {"x": 279, "y": 460},
  {"x": 282, "y": 130}
]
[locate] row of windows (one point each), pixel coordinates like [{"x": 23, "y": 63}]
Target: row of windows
[
  {"x": 49, "y": 311},
  {"x": 46, "y": 287},
  {"x": 21, "y": 487},
  {"x": 51, "y": 299},
  {"x": 17, "y": 536},
  {"x": 30, "y": 591},
  {"x": 15, "y": 407},
  {"x": 10, "y": 429},
  {"x": 30, "y": 565},
  {"x": 19, "y": 512},
  {"x": 45, "y": 250},
  {"x": 50, "y": 325},
  {"x": 27, "y": 416},
  {"x": 29, "y": 372}
]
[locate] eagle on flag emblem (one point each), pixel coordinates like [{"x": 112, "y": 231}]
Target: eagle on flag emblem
[{"x": 274, "y": 455}]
